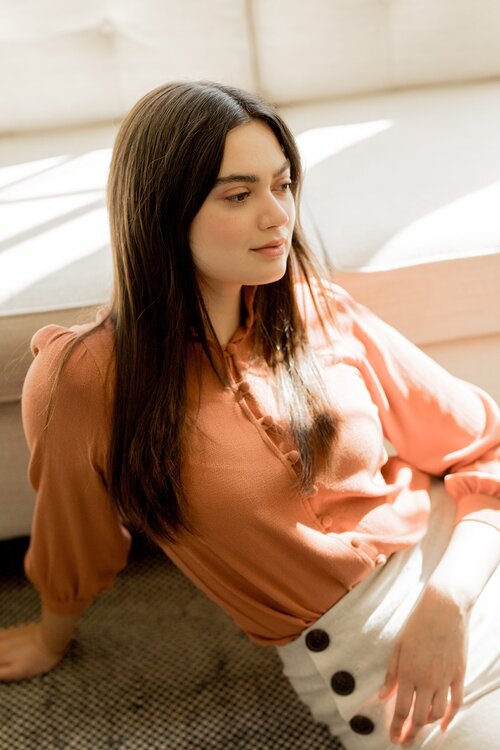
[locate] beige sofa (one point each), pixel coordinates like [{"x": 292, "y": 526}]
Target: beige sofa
[{"x": 396, "y": 105}]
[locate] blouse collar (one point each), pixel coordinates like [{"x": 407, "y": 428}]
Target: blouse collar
[{"x": 248, "y": 297}]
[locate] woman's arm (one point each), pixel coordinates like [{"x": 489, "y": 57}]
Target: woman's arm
[
  {"x": 442, "y": 425},
  {"x": 28, "y": 650},
  {"x": 77, "y": 543},
  {"x": 428, "y": 663}
]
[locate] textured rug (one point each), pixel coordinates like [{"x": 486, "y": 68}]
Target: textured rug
[{"x": 155, "y": 665}]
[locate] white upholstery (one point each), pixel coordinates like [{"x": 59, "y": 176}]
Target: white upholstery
[
  {"x": 346, "y": 47},
  {"x": 395, "y": 118},
  {"x": 403, "y": 177},
  {"x": 402, "y": 195},
  {"x": 53, "y": 220},
  {"x": 67, "y": 62}
]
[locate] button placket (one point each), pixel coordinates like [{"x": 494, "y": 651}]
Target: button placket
[
  {"x": 292, "y": 456},
  {"x": 267, "y": 422},
  {"x": 234, "y": 364},
  {"x": 243, "y": 388},
  {"x": 342, "y": 683},
  {"x": 344, "y": 687},
  {"x": 279, "y": 439}
]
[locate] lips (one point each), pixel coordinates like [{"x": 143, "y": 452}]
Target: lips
[
  {"x": 274, "y": 243},
  {"x": 272, "y": 251}
]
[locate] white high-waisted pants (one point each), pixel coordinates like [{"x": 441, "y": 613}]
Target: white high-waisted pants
[{"x": 361, "y": 630}]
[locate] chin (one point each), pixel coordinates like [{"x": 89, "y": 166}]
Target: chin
[
  {"x": 269, "y": 280},
  {"x": 273, "y": 275}
]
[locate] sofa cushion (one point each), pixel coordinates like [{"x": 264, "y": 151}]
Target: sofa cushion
[
  {"x": 367, "y": 45},
  {"x": 86, "y": 62}
]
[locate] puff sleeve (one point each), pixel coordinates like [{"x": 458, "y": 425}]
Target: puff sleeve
[
  {"x": 437, "y": 422},
  {"x": 77, "y": 543}
]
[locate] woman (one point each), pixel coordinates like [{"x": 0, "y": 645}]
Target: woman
[{"x": 231, "y": 404}]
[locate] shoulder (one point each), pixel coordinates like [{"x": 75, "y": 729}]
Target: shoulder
[
  {"x": 325, "y": 293},
  {"x": 328, "y": 303},
  {"x": 91, "y": 345},
  {"x": 72, "y": 372},
  {"x": 53, "y": 341}
]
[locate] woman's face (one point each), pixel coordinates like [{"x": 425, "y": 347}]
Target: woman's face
[{"x": 242, "y": 232}]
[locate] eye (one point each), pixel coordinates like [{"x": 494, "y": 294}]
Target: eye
[
  {"x": 285, "y": 186},
  {"x": 238, "y": 197}
]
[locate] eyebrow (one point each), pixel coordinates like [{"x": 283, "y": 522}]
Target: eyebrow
[{"x": 249, "y": 177}]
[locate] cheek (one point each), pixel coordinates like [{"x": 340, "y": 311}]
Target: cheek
[
  {"x": 214, "y": 237},
  {"x": 208, "y": 232},
  {"x": 223, "y": 231}
]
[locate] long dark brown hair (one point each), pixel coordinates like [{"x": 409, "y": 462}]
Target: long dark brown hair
[{"x": 166, "y": 159}]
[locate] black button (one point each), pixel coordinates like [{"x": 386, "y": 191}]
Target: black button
[
  {"x": 362, "y": 724},
  {"x": 317, "y": 640},
  {"x": 343, "y": 683}
]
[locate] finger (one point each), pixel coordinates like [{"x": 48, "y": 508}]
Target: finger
[
  {"x": 10, "y": 672},
  {"x": 439, "y": 704},
  {"x": 402, "y": 709},
  {"x": 456, "y": 701},
  {"x": 391, "y": 676},
  {"x": 8, "y": 647},
  {"x": 418, "y": 717},
  {"x": 7, "y": 633}
]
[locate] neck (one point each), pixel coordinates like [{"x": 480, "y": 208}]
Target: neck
[{"x": 224, "y": 310}]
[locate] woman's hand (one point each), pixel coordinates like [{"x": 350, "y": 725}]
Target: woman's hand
[
  {"x": 24, "y": 652},
  {"x": 427, "y": 664}
]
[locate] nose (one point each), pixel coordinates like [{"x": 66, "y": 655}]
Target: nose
[{"x": 273, "y": 213}]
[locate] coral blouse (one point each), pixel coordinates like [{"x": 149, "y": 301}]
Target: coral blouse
[{"x": 273, "y": 559}]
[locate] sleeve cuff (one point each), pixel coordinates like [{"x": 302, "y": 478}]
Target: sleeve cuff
[
  {"x": 64, "y": 608},
  {"x": 483, "y": 508}
]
